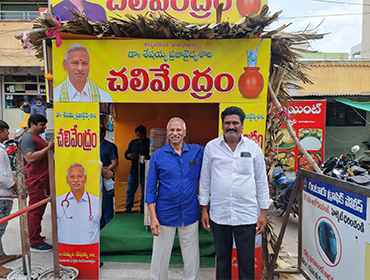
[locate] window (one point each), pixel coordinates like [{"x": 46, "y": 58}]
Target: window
[
  {"x": 339, "y": 114},
  {"x": 20, "y": 11},
  {"x": 15, "y": 87}
]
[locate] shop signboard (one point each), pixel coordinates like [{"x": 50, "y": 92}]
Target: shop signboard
[
  {"x": 77, "y": 174},
  {"x": 335, "y": 242},
  {"x": 307, "y": 118},
  {"x": 192, "y": 11}
]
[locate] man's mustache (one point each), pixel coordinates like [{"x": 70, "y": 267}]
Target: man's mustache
[
  {"x": 76, "y": 183},
  {"x": 231, "y": 129},
  {"x": 175, "y": 136}
]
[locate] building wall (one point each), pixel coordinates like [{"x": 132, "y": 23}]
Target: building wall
[
  {"x": 346, "y": 79},
  {"x": 12, "y": 53},
  {"x": 15, "y": 60},
  {"x": 338, "y": 77},
  {"x": 340, "y": 139}
]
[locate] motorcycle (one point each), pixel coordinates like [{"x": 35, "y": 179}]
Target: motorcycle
[
  {"x": 347, "y": 168},
  {"x": 282, "y": 186},
  {"x": 12, "y": 146}
]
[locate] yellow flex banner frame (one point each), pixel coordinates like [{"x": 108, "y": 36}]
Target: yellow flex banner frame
[
  {"x": 192, "y": 11},
  {"x": 168, "y": 71}
]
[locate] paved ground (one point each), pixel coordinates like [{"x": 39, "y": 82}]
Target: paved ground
[{"x": 135, "y": 271}]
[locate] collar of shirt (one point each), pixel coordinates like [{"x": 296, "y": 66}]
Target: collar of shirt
[
  {"x": 2, "y": 146},
  {"x": 222, "y": 141},
  {"x": 74, "y": 95},
  {"x": 72, "y": 197},
  {"x": 168, "y": 148}
]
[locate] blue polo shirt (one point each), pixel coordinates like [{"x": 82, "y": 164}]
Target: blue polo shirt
[{"x": 178, "y": 178}]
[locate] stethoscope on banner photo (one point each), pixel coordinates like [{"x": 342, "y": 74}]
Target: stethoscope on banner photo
[{"x": 65, "y": 204}]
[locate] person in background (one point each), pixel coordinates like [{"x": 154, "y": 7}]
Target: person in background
[
  {"x": 109, "y": 159},
  {"x": 35, "y": 150},
  {"x": 38, "y": 96},
  {"x": 137, "y": 147},
  {"x": 234, "y": 172},
  {"x": 26, "y": 112},
  {"x": 38, "y": 108},
  {"x": 171, "y": 195},
  {"x": 8, "y": 185}
]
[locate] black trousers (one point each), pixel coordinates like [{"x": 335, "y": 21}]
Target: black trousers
[{"x": 245, "y": 239}]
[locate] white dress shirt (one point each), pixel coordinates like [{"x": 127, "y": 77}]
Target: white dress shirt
[
  {"x": 76, "y": 224},
  {"x": 84, "y": 96},
  {"x": 235, "y": 183},
  {"x": 6, "y": 174}
]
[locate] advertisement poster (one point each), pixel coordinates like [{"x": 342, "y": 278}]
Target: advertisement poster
[
  {"x": 308, "y": 122},
  {"x": 77, "y": 174},
  {"x": 335, "y": 234},
  {"x": 254, "y": 123},
  {"x": 163, "y": 71},
  {"x": 192, "y": 11}
]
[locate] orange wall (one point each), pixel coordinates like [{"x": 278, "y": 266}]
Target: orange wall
[{"x": 201, "y": 122}]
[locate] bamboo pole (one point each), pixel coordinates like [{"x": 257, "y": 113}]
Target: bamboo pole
[
  {"x": 54, "y": 214},
  {"x": 291, "y": 131},
  {"x": 22, "y": 204}
]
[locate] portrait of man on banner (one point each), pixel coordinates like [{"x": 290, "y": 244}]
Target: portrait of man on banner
[
  {"x": 78, "y": 87},
  {"x": 93, "y": 11},
  {"x": 78, "y": 210}
]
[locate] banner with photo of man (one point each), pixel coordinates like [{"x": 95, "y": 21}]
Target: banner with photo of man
[
  {"x": 77, "y": 174},
  {"x": 192, "y": 11}
]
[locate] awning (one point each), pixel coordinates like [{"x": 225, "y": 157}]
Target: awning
[{"x": 359, "y": 105}]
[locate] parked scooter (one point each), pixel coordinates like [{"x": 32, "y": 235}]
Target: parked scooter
[
  {"x": 282, "y": 186},
  {"x": 11, "y": 146}
]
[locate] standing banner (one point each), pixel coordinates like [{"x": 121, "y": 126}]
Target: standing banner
[
  {"x": 334, "y": 229},
  {"x": 77, "y": 172},
  {"x": 192, "y": 11},
  {"x": 308, "y": 122},
  {"x": 162, "y": 71}
]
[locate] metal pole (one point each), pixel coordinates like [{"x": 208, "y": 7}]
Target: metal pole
[
  {"x": 54, "y": 225},
  {"x": 22, "y": 204},
  {"x": 24, "y": 210}
]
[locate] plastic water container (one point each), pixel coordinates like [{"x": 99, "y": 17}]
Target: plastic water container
[{"x": 158, "y": 139}]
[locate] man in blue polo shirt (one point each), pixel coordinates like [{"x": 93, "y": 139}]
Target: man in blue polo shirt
[
  {"x": 109, "y": 159},
  {"x": 173, "y": 204}
]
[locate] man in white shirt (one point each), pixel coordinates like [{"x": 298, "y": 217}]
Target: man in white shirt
[
  {"x": 234, "y": 182},
  {"x": 78, "y": 87},
  {"x": 78, "y": 211},
  {"x": 7, "y": 187}
]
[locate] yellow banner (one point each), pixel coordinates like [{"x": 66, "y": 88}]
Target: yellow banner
[
  {"x": 227, "y": 70},
  {"x": 254, "y": 123},
  {"x": 77, "y": 175},
  {"x": 192, "y": 11}
]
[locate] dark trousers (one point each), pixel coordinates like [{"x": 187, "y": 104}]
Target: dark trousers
[
  {"x": 107, "y": 207},
  {"x": 37, "y": 192},
  {"x": 5, "y": 209},
  {"x": 245, "y": 239},
  {"x": 132, "y": 185}
]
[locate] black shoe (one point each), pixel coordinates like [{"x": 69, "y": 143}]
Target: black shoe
[
  {"x": 44, "y": 247},
  {"x": 101, "y": 264}
]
